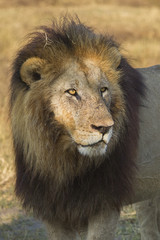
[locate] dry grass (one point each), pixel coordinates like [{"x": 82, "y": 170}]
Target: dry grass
[
  {"x": 135, "y": 3},
  {"x": 6, "y": 165},
  {"x": 137, "y": 28}
]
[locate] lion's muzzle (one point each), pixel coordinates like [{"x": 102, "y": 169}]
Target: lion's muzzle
[{"x": 96, "y": 148}]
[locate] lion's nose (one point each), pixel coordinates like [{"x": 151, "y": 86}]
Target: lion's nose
[{"x": 101, "y": 129}]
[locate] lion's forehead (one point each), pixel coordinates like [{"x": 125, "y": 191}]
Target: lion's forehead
[{"x": 81, "y": 74}]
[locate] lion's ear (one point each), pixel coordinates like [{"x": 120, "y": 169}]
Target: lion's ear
[
  {"x": 31, "y": 70},
  {"x": 115, "y": 56}
]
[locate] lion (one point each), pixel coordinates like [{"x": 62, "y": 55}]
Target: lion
[{"x": 75, "y": 114}]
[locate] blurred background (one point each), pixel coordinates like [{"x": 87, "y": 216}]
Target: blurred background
[{"x": 135, "y": 24}]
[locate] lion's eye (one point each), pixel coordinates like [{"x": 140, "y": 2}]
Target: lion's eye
[
  {"x": 103, "y": 89},
  {"x": 72, "y": 92}
]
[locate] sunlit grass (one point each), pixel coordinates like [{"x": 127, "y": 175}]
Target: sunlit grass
[{"x": 6, "y": 156}]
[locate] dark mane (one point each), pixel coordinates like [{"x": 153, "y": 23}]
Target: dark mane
[{"x": 110, "y": 183}]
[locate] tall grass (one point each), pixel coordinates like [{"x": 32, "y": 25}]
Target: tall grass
[{"x": 6, "y": 155}]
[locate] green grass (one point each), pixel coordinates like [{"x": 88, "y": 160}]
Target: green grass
[
  {"x": 128, "y": 230},
  {"x": 22, "y": 228},
  {"x": 27, "y": 228}
]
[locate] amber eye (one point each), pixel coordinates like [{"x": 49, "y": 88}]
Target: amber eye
[
  {"x": 72, "y": 92},
  {"x": 103, "y": 89}
]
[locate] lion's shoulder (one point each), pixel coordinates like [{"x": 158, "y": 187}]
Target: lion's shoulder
[
  {"x": 149, "y": 115},
  {"x": 152, "y": 73}
]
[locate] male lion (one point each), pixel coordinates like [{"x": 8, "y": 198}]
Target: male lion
[{"x": 75, "y": 113}]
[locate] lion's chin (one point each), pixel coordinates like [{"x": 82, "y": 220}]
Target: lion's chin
[{"x": 93, "y": 151}]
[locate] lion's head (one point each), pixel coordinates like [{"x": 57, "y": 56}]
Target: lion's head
[
  {"x": 74, "y": 109},
  {"x": 82, "y": 97}
]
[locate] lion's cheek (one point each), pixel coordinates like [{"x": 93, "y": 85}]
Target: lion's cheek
[
  {"x": 71, "y": 124},
  {"x": 64, "y": 117}
]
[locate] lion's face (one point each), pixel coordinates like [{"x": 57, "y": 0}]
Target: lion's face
[
  {"x": 81, "y": 102},
  {"x": 82, "y": 98}
]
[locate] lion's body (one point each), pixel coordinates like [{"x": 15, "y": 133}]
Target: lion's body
[
  {"x": 148, "y": 158},
  {"x": 75, "y": 119}
]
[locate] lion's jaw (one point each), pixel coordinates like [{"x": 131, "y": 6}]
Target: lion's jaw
[
  {"x": 96, "y": 148},
  {"x": 85, "y": 114}
]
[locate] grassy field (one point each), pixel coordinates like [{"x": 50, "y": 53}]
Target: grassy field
[{"x": 135, "y": 24}]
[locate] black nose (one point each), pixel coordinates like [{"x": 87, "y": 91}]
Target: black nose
[{"x": 101, "y": 129}]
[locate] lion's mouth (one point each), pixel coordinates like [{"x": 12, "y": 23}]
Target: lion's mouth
[
  {"x": 102, "y": 141},
  {"x": 95, "y": 148},
  {"x": 93, "y": 144}
]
